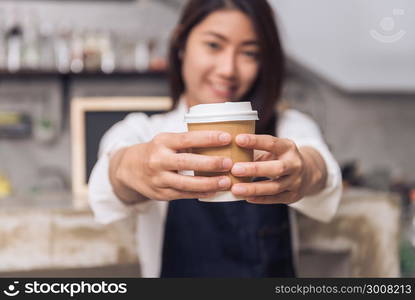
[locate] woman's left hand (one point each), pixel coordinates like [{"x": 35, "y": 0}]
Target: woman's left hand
[{"x": 278, "y": 159}]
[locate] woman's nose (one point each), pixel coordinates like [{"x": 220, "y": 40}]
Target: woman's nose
[{"x": 226, "y": 65}]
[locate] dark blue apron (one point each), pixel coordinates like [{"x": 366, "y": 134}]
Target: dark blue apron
[{"x": 226, "y": 239}]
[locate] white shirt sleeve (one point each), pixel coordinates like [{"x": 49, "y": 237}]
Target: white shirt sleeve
[
  {"x": 134, "y": 129},
  {"x": 304, "y": 131}
]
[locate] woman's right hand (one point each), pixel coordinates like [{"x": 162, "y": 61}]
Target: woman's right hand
[{"x": 151, "y": 169}]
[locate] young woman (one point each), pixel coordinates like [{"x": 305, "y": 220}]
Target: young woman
[{"x": 221, "y": 50}]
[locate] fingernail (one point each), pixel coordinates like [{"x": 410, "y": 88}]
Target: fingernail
[
  {"x": 227, "y": 163},
  {"x": 225, "y": 137},
  {"x": 224, "y": 182},
  {"x": 242, "y": 139},
  {"x": 239, "y": 189},
  {"x": 238, "y": 169}
]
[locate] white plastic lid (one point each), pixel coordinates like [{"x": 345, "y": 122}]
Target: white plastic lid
[{"x": 220, "y": 112}]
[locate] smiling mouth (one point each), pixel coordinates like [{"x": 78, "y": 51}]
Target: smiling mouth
[{"x": 222, "y": 90}]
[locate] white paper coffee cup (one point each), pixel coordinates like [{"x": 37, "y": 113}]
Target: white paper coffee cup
[{"x": 232, "y": 117}]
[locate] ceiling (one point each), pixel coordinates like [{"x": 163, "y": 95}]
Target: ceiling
[{"x": 358, "y": 45}]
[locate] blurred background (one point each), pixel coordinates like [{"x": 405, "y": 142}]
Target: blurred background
[{"x": 351, "y": 66}]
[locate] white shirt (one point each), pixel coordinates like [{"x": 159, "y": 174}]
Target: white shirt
[{"x": 140, "y": 128}]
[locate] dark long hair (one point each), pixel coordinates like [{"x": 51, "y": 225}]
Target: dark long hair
[{"x": 265, "y": 92}]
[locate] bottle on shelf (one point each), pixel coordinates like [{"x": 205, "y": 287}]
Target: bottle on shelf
[
  {"x": 3, "y": 43},
  {"x": 14, "y": 39},
  {"x": 77, "y": 52},
  {"x": 91, "y": 51},
  {"x": 62, "y": 48},
  {"x": 30, "y": 42},
  {"x": 126, "y": 52},
  {"x": 158, "y": 50},
  {"x": 47, "y": 55},
  {"x": 142, "y": 56},
  {"x": 107, "y": 52}
]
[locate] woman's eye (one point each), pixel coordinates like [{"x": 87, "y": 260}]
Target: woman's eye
[
  {"x": 213, "y": 45},
  {"x": 251, "y": 54}
]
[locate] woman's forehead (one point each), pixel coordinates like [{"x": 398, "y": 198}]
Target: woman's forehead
[{"x": 228, "y": 24}]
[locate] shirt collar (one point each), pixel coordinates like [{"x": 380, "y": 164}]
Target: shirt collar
[{"x": 182, "y": 106}]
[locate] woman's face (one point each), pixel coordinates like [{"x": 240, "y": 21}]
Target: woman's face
[{"x": 220, "y": 60}]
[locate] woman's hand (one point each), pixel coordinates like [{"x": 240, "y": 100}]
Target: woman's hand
[
  {"x": 151, "y": 169},
  {"x": 292, "y": 173}
]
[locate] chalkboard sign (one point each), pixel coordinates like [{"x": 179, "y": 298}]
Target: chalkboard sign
[{"x": 90, "y": 119}]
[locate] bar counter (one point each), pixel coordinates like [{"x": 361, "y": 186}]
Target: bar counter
[{"x": 46, "y": 236}]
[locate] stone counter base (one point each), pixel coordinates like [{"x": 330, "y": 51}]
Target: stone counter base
[{"x": 62, "y": 239}]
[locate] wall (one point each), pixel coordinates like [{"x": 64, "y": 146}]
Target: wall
[{"x": 375, "y": 130}]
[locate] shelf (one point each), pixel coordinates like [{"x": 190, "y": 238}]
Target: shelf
[{"x": 92, "y": 74}]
